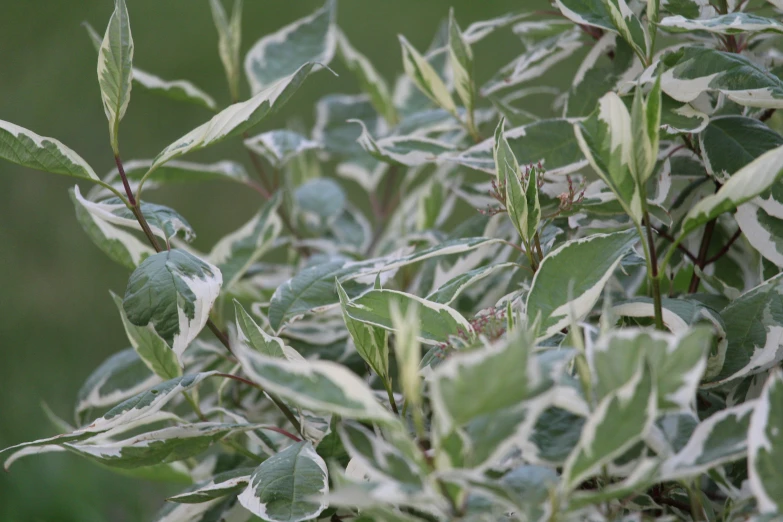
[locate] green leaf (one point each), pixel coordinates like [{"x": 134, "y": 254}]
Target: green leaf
[
  {"x": 727, "y": 24},
  {"x": 154, "y": 447},
  {"x": 289, "y": 486},
  {"x": 370, "y": 81},
  {"x": 747, "y": 183},
  {"x": 179, "y": 90},
  {"x": 281, "y": 55},
  {"x": 453, "y": 288},
  {"x": 571, "y": 278},
  {"x": 730, "y": 143},
  {"x": 764, "y": 442},
  {"x": 28, "y": 149},
  {"x": 461, "y": 60},
  {"x": 229, "y": 40},
  {"x": 408, "y": 151},
  {"x": 760, "y": 222},
  {"x": 437, "y": 322},
  {"x": 606, "y": 140},
  {"x": 688, "y": 8},
  {"x": 372, "y": 342},
  {"x": 753, "y": 330},
  {"x": 120, "y": 245},
  {"x": 314, "y": 287},
  {"x": 174, "y": 291},
  {"x": 407, "y": 349},
  {"x": 176, "y": 172},
  {"x": 621, "y": 419},
  {"x": 628, "y": 25},
  {"x": 279, "y": 147},
  {"x": 221, "y": 485},
  {"x": 323, "y": 199},
  {"x": 236, "y": 118},
  {"x": 586, "y": 12},
  {"x": 677, "y": 363},
  {"x": 678, "y": 118},
  {"x": 164, "y": 222},
  {"x": 425, "y": 77},
  {"x": 253, "y": 335},
  {"x": 320, "y": 386},
  {"x": 551, "y": 142},
  {"x": 691, "y": 71},
  {"x": 152, "y": 350},
  {"x": 534, "y": 62},
  {"x": 719, "y": 439},
  {"x": 235, "y": 253},
  {"x": 115, "y": 73},
  {"x": 118, "y": 378}
]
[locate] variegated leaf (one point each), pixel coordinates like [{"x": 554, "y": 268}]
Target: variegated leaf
[
  {"x": 409, "y": 151},
  {"x": 174, "y": 291},
  {"x": 461, "y": 59},
  {"x": 731, "y": 23},
  {"x": 451, "y": 290},
  {"x": 571, "y": 278},
  {"x": 425, "y": 77},
  {"x": 280, "y": 146},
  {"x": 221, "y": 485},
  {"x": 115, "y": 73},
  {"x": 229, "y": 40},
  {"x": 371, "y": 341},
  {"x": 283, "y": 54},
  {"x": 28, "y": 149},
  {"x": 732, "y": 142},
  {"x": 764, "y": 442}
]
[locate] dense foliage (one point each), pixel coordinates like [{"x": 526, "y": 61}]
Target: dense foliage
[{"x": 569, "y": 313}]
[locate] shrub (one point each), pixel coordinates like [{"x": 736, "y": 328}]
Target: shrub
[{"x": 572, "y": 313}]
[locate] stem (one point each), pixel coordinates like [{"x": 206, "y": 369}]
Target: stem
[
  {"x": 655, "y": 279},
  {"x": 390, "y": 393},
  {"x": 282, "y": 407},
  {"x": 725, "y": 248},
  {"x": 661, "y": 232},
  {"x": 538, "y": 247},
  {"x": 702, "y": 258}
]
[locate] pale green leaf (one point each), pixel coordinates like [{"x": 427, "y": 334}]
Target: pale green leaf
[
  {"x": 372, "y": 342},
  {"x": 28, "y": 149},
  {"x": 280, "y": 146},
  {"x": 453, "y": 288},
  {"x": 282, "y": 54},
  {"x": 572, "y": 277},
  {"x": 229, "y": 40},
  {"x": 461, "y": 59},
  {"x": 425, "y": 77},
  {"x": 408, "y": 151},
  {"x": 174, "y": 291},
  {"x": 221, "y": 485},
  {"x": 727, "y": 24},
  {"x": 407, "y": 349},
  {"x": 115, "y": 73},
  {"x": 179, "y": 90}
]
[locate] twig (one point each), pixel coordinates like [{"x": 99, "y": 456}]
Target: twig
[
  {"x": 661, "y": 232},
  {"x": 725, "y": 248},
  {"x": 702, "y": 258}
]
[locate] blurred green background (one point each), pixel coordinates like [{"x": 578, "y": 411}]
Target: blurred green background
[{"x": 57, "y": 322}]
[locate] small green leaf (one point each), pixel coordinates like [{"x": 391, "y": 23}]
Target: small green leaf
[
  {"x": 372, "y": 342},
  {"x": 115, "y": 73},
  {"x": 408, "y": 151},
  {"x": 174, "y": 291},
  {"x": 229, "y": 40},
  {"x": 280, "y": 146},
  {"x": 461, "y": 59},
  {"x": 255, "y": 336},
  {"x": 425, "y": 77},
  {"x": 289, "y": 486},
  {"x": 764, "y": 442}
]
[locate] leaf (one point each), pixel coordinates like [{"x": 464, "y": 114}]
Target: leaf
[
  {"x": 677, "y": 118},
  {"x": 279, "y": 147},
  {"x": 236, "y": 118},
  {"x": 221, "y": 485},
  {"x": 321, "y": 198},
  {"x": 534, "y": 62},
  {"x": 437, "y": 322},
  {"x": 118, "y": 378},
  {"x": 691, "y": 71},
  {"x": 448, "y": 292},
  {"x": 152, "y": 350},
  {"x": 177, "y": 172},
  {"x": 603, "y": 437},
  {"x": 179, "y": 90},
  {"x": 461, "y": 60},
  {"x": 753, "y": 330},
  {"x": 408, "y": 151},
  {"x": 320, "y": 386},
  {"x": 677, "y": 363},
  {"x": 164, "y": 222},
  {"x": 289, "y": 486},
  {"x": 370, "y": 81},
  {"x": 372, "y": 342},
  {"x": 424, "y": 76},
  {"x": 759, "y": 221},
  {"x": 253, "y": 335},
  {"x": 121, "y": 246},
  {"x": 408, "y": 353},
  {"x": 314, "y": 287},
  {"x": 606, "y": 140},
  {"x": 28, "y": 149},
  {"x": 747, "y": 183},
  {"x": 281, "y": 55},
  {"x": 229, "y": 40},
  {"x": 727, "y": 24},
  {"x": 628, "y": 25},
  {"x": 235, "y": 253},
  {"x": 719, "y": 439},
  {"x": 551, "y": 142},
  {"x": 115, "y": 74},
  {"x": 766, "y": 480},
  {"x": 571, "y": 278},
  {"x": 730, "y": 143},
  {"x": 174, "y": 291},
  {"x": 586, "y": 12}
]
